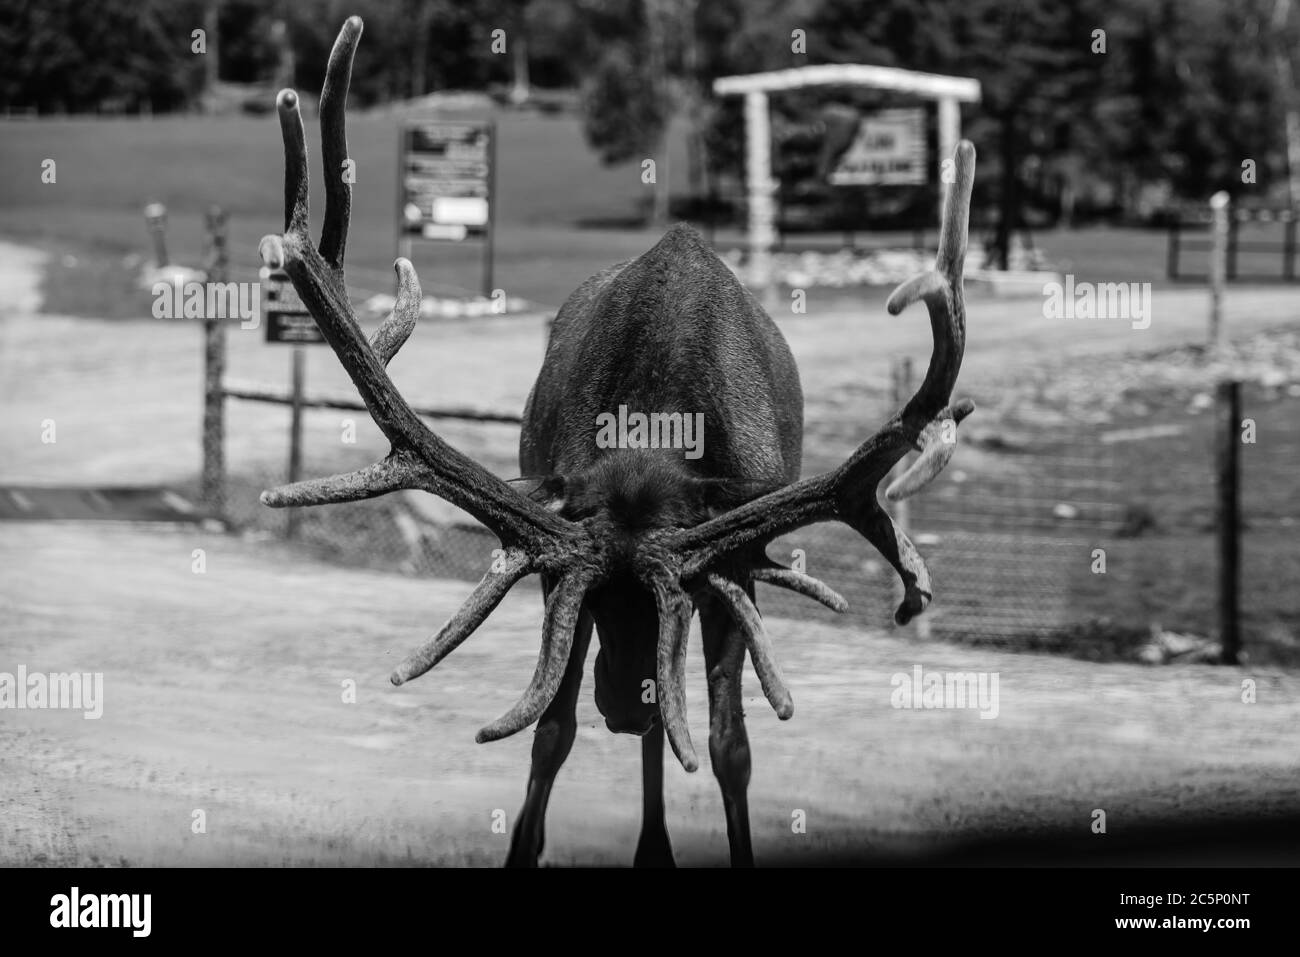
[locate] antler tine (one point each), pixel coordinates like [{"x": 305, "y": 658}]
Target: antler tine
[
  {"x": 675, "y": 610},
  {"x": 941, "y": 290},
  {"x": 954, "y": 230},
  {"x": 760, "y": 646},
  {"x": 400, "y": 323},
  {"x": 334, "y": 142},
  {"x": 936, "y": 448},
  {"x": 787, "y": 578},
  {"x": 879, "y": 529},
  {"x": 295, "y": 162},
  {"x": 395, "y": 472},
  {"x": 481, "y": 603},
  {"x": 563, "y": 606}
]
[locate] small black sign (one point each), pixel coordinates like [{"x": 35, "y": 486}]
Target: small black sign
[{"x": 287, "y": 319}]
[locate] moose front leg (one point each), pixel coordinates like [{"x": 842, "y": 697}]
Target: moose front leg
[
  {"x": 724, "y": 662},
  {"x": 552, "y": 742},
  {"x": 653, "y": 849}
]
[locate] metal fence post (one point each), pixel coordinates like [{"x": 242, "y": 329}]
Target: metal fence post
[
  {"x": 1228, "y": 453},
  {"x": 212, "y": 486}
]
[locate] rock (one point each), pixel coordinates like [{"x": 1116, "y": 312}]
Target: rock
[
  {"x": 1151, "y": 654},
  {"x": 1168, "y": 646},
  {"x": 1176, "y": 644}
]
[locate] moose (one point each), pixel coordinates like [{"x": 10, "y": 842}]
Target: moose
[{"x": 633, "y": 541}]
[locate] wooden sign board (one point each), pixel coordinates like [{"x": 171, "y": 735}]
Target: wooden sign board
[
  {"x": 445, "y": 181},
  {"x": 887, "y": 150}
]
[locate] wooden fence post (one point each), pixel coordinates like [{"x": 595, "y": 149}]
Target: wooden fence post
[
  {"x": 212, "y": 486},
  {"x": 155, "y": 217},
  {"x": 1228, "y": 454},
  {"x": 295, "y": 435}
]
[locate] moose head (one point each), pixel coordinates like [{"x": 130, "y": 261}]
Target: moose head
[{"x": 633, "y": 541}]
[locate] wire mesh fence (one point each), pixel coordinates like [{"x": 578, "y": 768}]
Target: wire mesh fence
[
  {"x": 1090, "y": 539},
  {"x": 1071, "y": 537}
]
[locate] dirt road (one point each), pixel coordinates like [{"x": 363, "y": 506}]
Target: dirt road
[
  {"x": 220, "y": 696},
  {"x": 126, "y": 398}
]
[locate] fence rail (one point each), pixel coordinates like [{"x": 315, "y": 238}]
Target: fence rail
[{"x": 254, "y": 392}]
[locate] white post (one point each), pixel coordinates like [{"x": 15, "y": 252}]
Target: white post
[
  {"x": 760, "y": 187},
  {"x": 1218, "y": 263},
  {"x": 949, "y": 134}
]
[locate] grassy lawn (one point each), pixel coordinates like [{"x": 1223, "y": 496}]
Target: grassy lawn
[
  {"x": 548, "y": 182},
  {"x": 549, "y": 185}
]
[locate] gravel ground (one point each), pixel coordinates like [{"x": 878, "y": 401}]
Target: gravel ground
[{"x": 222, "y": 693}]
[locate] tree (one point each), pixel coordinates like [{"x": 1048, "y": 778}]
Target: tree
[
  {"x": 1121, "y": 94},
  {"x": 628, "y": 91},
  {"x": 61, "y": 55},
  {"x": 1030, "y": 59}
]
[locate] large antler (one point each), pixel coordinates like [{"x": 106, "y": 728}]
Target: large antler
[
  {"x": 848, "y": 494},
  {"x": 926, "y": 423},
  {"x": 536, "y": 539}
]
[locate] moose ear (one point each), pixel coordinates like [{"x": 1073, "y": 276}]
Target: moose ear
[{"x": 552, "y": 491}]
